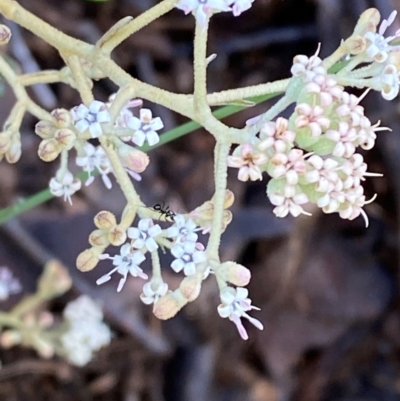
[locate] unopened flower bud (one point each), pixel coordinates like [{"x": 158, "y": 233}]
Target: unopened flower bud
[
  {"x": 205, "y": 211},
  {"x": 367, "y": 22},
  {"x": 235, "y": 273},
  {"x": 190, "y": 288},
  {"x": 45, "y": 129},
  {"x": 5, "y": 34},
  {"x": 46, "y": 319},
  {"x": 117, "y": 236},
  {"x": 166, "y": 307},
  {"x": 99, "y": 238},
  {"x": 133, "y": 159},
  {"x": 9, "y": 338},
  {"x": 62, "y": 117},
  {"x": 49, "y": 149},
  {"x": 355, "y": 44},
  {"x": 88, "y": 259},
  {"x": 4, "y": 142},
  {"x": 105, "y": 220},
  {"x": 14, "y": 152},
  {"x": 227, "y": 217},
  {"x": 44, "y": 348},
  {"x": 229, "y": 199},
  {"x": 54, "y": 280},
  {"x": 65, "y": 137}
]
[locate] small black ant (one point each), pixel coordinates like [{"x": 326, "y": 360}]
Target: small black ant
[{"x": 164, "y": 210}]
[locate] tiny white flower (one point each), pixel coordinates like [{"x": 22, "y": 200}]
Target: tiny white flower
[
  {"x": 127, "y": 262},
  {"x": 183, "y": 230},
  {"x": 187, "y": 257},
  {"x": 8, "y": 284},
  {"x": 143, "y": 235},
  {"x": 86, "y": 330},
  {"x": 125, "y": 114},
  {"x": 152, "y": 291},
  {"x": 378, "y": 47},
  {"x": 90, "y": 118},
  {"x": 203, "y": 9},
  {"x": 235, "y": 304},
  {"x": 307, "y": 67},
  {"x": 390, "y": 82},
  {"x": 66, "y": 186},
  {"x": 83, "y": 308},
  {"x": 95, "y": 159},
  {"x": 145, "y": 128}
]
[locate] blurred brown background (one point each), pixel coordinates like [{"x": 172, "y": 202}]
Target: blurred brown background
[{"x": 328, "y": 288}]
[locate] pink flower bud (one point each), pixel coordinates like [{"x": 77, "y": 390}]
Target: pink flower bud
[
  {"x": 65, "y": 137},
  {"x": 99, "y": 238},
  {"x": 5, "y": 34},
  {"x": 45, "y": 129},
  {"x": 167, "y": 307},
  {"x": 105, "y": 220},
  {"x": 132, "y": 158},
  {"x": 63, "y": 118},
  {"x": 117, "y": 236},
  {"x": 14, "y": 152},
  {"x": 9, "y": 338},
  {"x": 88, "y": 259},
  {"x": 190, "y": 288},
  {"x": 235, "y": 273},
  {"x": 49, "y": 149}
]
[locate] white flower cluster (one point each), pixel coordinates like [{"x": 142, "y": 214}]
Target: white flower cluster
[
  {"x": 188, "y": 253},
  {"x": 92, "y": 159},
  {"x": 86, "y": 332},
  {"x": 8, "y": 284},
  {"x": 312, "y": 156},
  {"x": 378, "y": 50}
]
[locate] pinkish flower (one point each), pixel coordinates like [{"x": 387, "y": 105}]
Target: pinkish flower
[{"x": 247, "y": 161}]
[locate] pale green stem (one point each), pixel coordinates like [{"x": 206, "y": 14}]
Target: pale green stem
[
  {"x": 201, "y": 107},
  {"x": 68, "y": 45},
  {"x": 27, "y": 304},
  {"x": 371, "y": 70},
  {"x": 41, "y": 77},
  {"x": 81, "y": 80},
  {"x": 123, "y": 96},
  {"x": 221, "y": 153},
  {"x": 138, "y": 23},
  {"x": 225, "y": 97},
  {"x": 8, "y": 319},
  {"x": 356, "y": 83},
  {"x": 156, "y": 266},
  {"x": 20, "y": 92},
  {"x": 14, "y": 120},
  {"x": 274, "y": 111},
  {"x": 334, "y": 57},
  {"x": 353, "y": 63},
  {"x": 124, "y": 182},
  {"x": 63, "y": 164}
]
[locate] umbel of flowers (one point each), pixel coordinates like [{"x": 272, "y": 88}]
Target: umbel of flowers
[
  {"x": 75, "y": 335},
  {"x": 313, "y": 157}
]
